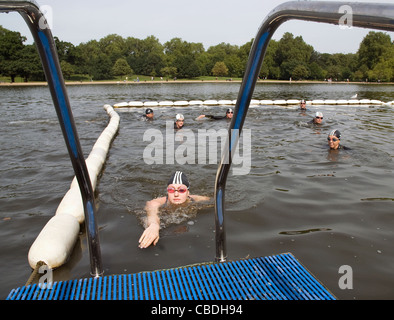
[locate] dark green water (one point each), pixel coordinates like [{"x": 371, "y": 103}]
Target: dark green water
[{"x": 328, "y": 209}]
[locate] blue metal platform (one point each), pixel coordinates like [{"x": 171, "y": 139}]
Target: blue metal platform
[{"x": 278, "y": 277}]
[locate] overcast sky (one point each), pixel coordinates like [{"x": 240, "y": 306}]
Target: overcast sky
[{"x": 206, "y": 21}]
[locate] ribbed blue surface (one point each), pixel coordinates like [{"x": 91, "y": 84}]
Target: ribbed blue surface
[{"x": 279, "y": 277}]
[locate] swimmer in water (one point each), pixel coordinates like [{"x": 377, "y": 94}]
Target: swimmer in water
[
  {"x": 302, "y": 104},
  {"x": 334, "y": 139},
  {"x": 179, "y": 121},
  {"x": 318, "y": 119},
  {"x": 177, "y": 195},
  {"x": 229, "y": 115},
  {"x": 148, "y": 114}
]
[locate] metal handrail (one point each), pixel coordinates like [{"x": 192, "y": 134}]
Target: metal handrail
[
  {"x": 364, "y": 15},
  {"x": 45, "y": 43}
]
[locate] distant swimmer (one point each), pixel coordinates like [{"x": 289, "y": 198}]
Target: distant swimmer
[
  {"x": 302, "y": 104},
  {"x": 334, "y": 139},
  {"x": 229, "y": 115},
  {"x": 318, "y": 119},
  {"x": 148, "y": 114},
  {"x": 179, "y": 121},
  {"x": 178, "y": 195}
]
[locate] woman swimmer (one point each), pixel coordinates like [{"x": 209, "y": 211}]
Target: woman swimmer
[{"x": 177, "y": 195}]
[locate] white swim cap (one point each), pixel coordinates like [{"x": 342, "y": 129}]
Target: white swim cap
[{"x": 179, "y": 116}]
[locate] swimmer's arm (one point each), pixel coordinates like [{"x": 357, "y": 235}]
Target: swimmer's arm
[
  {"x": 199, "y": 198},
  {"x": 205, "y": 116},
  {"x": 151, "y": 233}
]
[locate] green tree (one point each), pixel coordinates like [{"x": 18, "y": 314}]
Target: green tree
[
  {"x": 121, "y": 68},
  {"x": 184, "y": 56},
  {"x": 67, "y": 69},
  {"x": 292, "y": 52},
  {"x": 300, "y": 72},
  {"x": 374, "y": 46},
  {"x": 270, "y": 68},
  {"x": 220, "y": 69},
  {"x": 10, "y": 53},
  {"x": 30, "y": 64},
  {"x": 168, "y": 72},
  {"x": 145, "y": 56}
]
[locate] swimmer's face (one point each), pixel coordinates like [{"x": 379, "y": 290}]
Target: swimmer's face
[
  {"x": 229, "y": 115},
  {"x": 179, "y": 193},
  {"x": 179, "y": 123},
  {"x": 149, "y": 115},
  {"x": 318, "y": 120},
  {"x": 333, "y": 142}
]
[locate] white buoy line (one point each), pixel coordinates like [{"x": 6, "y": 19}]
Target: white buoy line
[
  {"x": 252, "y": 102},
  {"x": 57, "y": 239}
]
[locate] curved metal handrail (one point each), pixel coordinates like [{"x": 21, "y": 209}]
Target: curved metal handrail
[
  {"x": 364, "y": 15},
  {"x": 42, "y": 34}
]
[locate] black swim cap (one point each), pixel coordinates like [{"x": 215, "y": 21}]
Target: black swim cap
[
  {"x": 335, "y": 133},
  {"x": 179, "y": 177},
  {"x": 148, "y": 111}
]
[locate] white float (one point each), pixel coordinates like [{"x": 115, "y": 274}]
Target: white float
[
  {"x": 196, "y": 102},
  {"x": 292, "y": 101},
  {"x": 151, "y": 104},
  {"x": 266, "y": 102},
  {"x": 135, "y": 104},
  {"x": 211, "y": 102},
  {"x": 181, "y": 103},
  {"x": 225, "y": 102},
  {"x": 252, "y": 102},
  {"x": 166, "y": 103},
  {"x": 376, "y": 102},
  {"x": 121, "y": 105},
  {"x": 56, "y": 241}
]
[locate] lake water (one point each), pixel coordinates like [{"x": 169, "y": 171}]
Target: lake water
[{"x": 329, "y": 209}]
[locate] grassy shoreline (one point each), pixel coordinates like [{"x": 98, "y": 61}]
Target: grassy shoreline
[{"x": 128, "y": 82}]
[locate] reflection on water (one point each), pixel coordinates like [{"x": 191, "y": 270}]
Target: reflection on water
[
  {"x": 292, "y": 233},
  {"x": 327, "y": 208}
]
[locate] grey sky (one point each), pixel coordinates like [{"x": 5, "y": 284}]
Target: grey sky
[{"x": 207, "y": 21}]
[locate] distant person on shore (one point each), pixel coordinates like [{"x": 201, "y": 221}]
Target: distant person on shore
[
  {"x": 334, "y": 140},
  {"x": 178, "y": 195},
  {"x": 179, "y": 121},
  {"x": 148, "y": 115},
  {"x": 317, "y": 120},
  {"x": 228, "y": 115}
]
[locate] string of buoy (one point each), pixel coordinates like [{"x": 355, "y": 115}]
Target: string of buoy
[
  {"x": 57, "y": 239},
  {"x": 289, "y": 102}
]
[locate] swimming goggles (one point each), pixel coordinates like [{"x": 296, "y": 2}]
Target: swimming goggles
[
  {"x": 180, "y": 190},
  {"x": 333, "y": 139}
]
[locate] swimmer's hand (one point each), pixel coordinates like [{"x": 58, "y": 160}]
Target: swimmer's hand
[{"x": 149, "y": 236}]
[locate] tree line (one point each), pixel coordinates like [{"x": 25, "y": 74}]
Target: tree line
[{"x": 114, "y": 56}]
